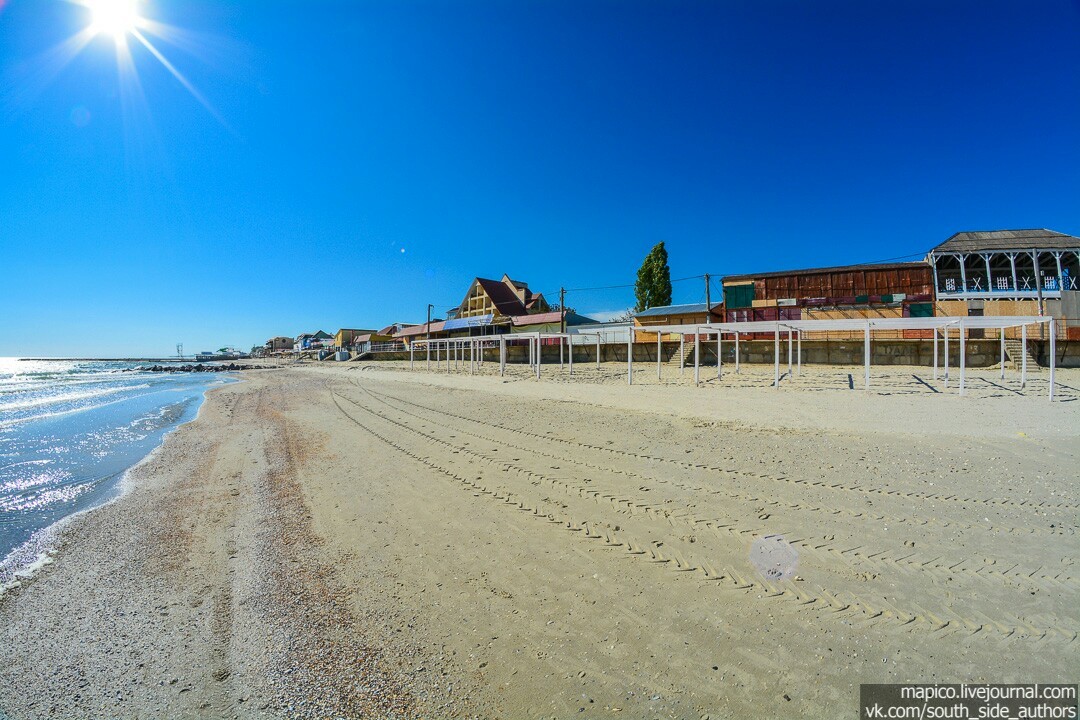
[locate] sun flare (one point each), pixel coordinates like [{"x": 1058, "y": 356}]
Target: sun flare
[{"x": 114, "y": 17}]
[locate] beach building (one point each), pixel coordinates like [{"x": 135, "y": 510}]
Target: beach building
[
  {"x": 279, "y": 344},
  {"x": 878, "y": 290},
  {"x": 346, "y": 336},
  {"x": 674, "y": 315},
  {"x": 312, "y": 341},
  {"x": 500, "y": 298},
  {"x": 490, "y": 307},
  {"x": 1009, "y": 272},
  {"x": 548, "y": 322},
  {"x": 382, "y": 340}
]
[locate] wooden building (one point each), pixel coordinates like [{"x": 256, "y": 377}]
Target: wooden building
[
  {"x": 501, "y": 298},
  {"x": 851, "y": 291},
  {"x": 345, "y": 337},
  {"x": 1009, "y": 272},
  {"x": 673, "y": 315}
]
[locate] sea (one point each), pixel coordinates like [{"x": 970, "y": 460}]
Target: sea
[{"x": 69, "y": 430}]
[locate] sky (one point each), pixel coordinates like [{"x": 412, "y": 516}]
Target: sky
[{"x": 296, "y": 166}]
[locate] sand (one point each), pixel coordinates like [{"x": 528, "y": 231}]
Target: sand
[{"x": 359, "y": 540}]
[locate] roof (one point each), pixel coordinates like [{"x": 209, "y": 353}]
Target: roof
[
  {"x": 502, "y": 296},
  {"x": 516, "y": 283},
  {"x": 572, "y": 318},
  {"x": 369, "y": 336},
  {"x": 1004, "y": 240},
  {"x": 421, "y": 329},
  {"x": 821, "y": 271},
  {"x": 675, "y": 310}
]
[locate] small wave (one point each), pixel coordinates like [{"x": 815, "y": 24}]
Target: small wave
[
  {"x": 26, "y": 462},
  {"x": 21, "y": 385},
  {"x": 49, "y": 498},
  {"x": 44, "y": 416},
  {"x": 24, "y": 561},
  {"x": 70, "y": 397}
]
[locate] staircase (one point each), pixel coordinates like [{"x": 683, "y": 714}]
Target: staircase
[
  {"x": 1014, "y": 350},
  {"x": 688, "y": 356}
]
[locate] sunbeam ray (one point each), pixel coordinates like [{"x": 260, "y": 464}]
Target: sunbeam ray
[
  {"x": 182, "y": 80},
  {"x": 22, "y": 88}
]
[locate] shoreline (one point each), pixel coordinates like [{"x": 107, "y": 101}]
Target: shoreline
[
  {"x": 44, "y": 543},
  {"x": 363, "y": 540}
]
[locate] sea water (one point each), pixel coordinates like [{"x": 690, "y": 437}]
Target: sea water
[{"x": 68, "y": 431}]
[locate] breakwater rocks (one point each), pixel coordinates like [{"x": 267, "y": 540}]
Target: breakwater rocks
[{"x": 196, "y": 367}]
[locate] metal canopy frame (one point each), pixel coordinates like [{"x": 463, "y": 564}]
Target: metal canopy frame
[{"x": 450, "y": 347}]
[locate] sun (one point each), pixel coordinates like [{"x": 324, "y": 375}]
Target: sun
[{"x": 114, "y": 17}]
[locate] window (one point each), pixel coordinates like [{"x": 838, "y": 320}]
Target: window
[
  {"x": 1001, "y": 283},
  {"x": 950, "y": 285}
]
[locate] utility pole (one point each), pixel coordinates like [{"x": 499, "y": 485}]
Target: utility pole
[
  {"x": 427, "y": 345},
  {"x": 708, "y": 300},
  {"x": 562, "y": 310}
]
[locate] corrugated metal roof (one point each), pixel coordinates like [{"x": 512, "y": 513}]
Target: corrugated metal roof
[
  {"x": 421, "y": 329},
  {"x": 819, "y": 271},
  {"x": 551, "y": 317},
  {"x": 675, "y": 310},
  {"x": 1007, "y": 240}
]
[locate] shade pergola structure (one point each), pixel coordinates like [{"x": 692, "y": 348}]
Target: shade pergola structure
[
  {"x": 456, "y": 352},
  {"x": 867, "y": 326}
]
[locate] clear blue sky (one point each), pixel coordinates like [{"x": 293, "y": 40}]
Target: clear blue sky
[{"x": 555, "y": 141}]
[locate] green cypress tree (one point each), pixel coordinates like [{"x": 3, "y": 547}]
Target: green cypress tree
[{"x": 653, "y": 286}]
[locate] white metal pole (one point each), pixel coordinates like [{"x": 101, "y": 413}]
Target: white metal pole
[
  {"x": 697, "y": 356},
  {"x": 411, "y": 348},
  {"x": 1002, "y": 353},
  {"x": 798, "y": 350},
  {"x": 719, "y": 355},
  {"x": 935, "y": 354},
  {"x": 570, "y": 352},
  {"x": 945, "y": 341},
  {"x": 1053, "y": 356},
  {"x": 736, "y": 353},
  {"x": 866, "y": 357},
  {"x": 560, "y": 352},
  {"x": 658, "y": 336},
  {"x": 502, "y": 356},
  {"x": 539, "y": 355},
  {"x": 963, "y": 350},
  {"x": 682, "y": 353},
  {"x": 1023, "y": 356},
  {"x": 776, "y": 356},
  {"x": 427, "y": 347},
  {"x": 597, "y": 351},
  {"x": 630, "y": 359},
  {"x": 789, "y": 353}
]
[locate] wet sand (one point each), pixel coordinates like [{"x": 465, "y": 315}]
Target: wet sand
[{"x": 360, "y": 540}]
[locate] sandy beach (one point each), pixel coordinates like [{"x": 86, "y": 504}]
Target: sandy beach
[{"x": 362, "y": 540}]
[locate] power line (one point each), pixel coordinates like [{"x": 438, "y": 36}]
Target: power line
[
  {"x": 901, "y": 257},
  {"x": 620, "y": 287}
]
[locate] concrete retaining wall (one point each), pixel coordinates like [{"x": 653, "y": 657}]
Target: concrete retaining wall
[{"x": 980, "y": 353}]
